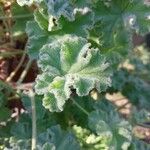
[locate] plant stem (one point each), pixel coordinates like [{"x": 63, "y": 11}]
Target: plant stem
[
  {"x": 122, "y": 106},
  {"x": 32, "y": 96},
  {"x": 80, "y": 107},
  {"x": 16, "y": 17},
  {"x": 17, "y": 68},
  {"x": 9, "y": 54},
  {"x": 9, "y": 14},
  {"x": 24, "y": 73}
]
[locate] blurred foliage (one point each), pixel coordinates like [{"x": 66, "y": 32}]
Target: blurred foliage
[{"x": 61, "y": 30}]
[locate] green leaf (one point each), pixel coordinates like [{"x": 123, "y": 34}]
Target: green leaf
[
  {"x": 20, "y": 16},
  {"x": 131, "y": 86},
  {"x": 2, "y": 99},
  {"x": 98, "y": 124},
  {"x": 24, "y": 2},
  {"x": 4, "y": 114},
  {"x": 41, "y": 19},
  {"x": 61, "y": 12},
  {"x": 38, "y": 37},
  {"x": 40, "y": 111},
  {"x": 48, "y": 146},
  {"x": 140, "y": 145},
  {"x": 17, "y": 144},
  {"x": 109, "y": 21},
  {"x": 43, "y": 82},
  {"x": 60, "y": 139},
  {"x": 141, "y": 117},
  {"x": 77, "y": 66},
  {"x": 22, "y": 129},
  {"x": 83, "y": 22},
  {"x": 58, "y": 8},
  {"x": 115, "y": 21},
  {"x": 125, "y": 15},
  {"x": 55, "y": 99},
  {"x": 28, "y": 2},
  {"x": 110, "y": 125}
]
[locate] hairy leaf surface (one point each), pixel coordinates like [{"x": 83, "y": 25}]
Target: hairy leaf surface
[
  {"x": 39, "y": 36},
  {"x": 59, "y": 139},
  {"x": 106, "y": 121},
  {"x": 115, "y": 21},
  {"x": 68, "y": 66},
  {"x": 28, "y": 2}
]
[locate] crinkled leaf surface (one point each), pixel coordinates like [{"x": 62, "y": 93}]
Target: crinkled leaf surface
[
  {"x": 40, "y": 111},
  {"x": 48, "y": 146},
  {"x": 18, "y": 143},
  {"x": 139, "y": 145},
  {"x": 115, "y": 21},
  {"x": 131, "y": 86},
  {"x": 142, "y": 116},
  {"x": 28, "y": 2},
  {"x": 121, "y": 15},
  {"x": 59, "y": 139},
  {"x": 69, "y": 65},
  {"x": 65, "y": 10},
  {"x": 104, "y": 28},
  {"x": 40, "y": 16},
  {"x": 57, "y": 8},
  {"x": 39, "y": 36},
  {"x": 36, "y": 39},
  {"x": 106, "y": 121},
  {"x": 22, "y": 129}
]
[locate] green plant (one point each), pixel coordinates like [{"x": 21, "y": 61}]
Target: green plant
[{"x": 81, "y": 48}]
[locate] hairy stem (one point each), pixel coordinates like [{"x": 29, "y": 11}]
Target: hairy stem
[
  {"x": 34, "y": 133},
  {"x": 17, "y": 68},
  {"x": 16, "y": 17},
  {"x": 9, "y": 54},
  {"x": 24, "y": 73}
]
